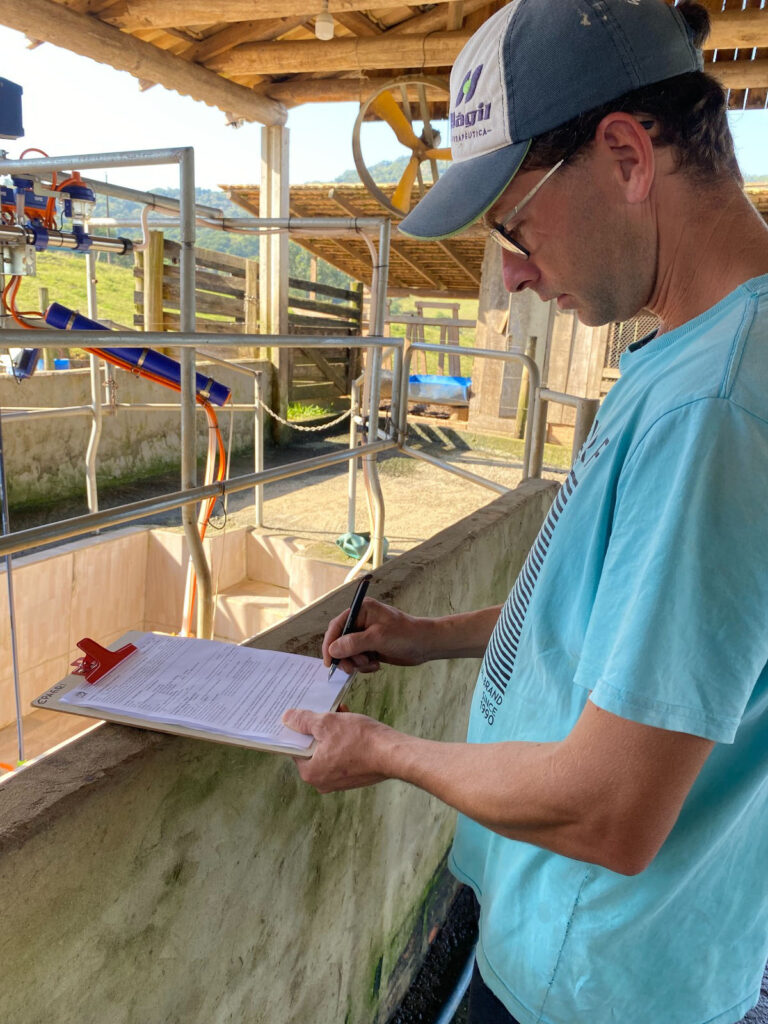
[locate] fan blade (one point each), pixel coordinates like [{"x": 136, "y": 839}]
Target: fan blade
[
  {"x": 438, "y": 154},
  {"x": 385, "y": 106},
  {"x": 401, "y": 197}
]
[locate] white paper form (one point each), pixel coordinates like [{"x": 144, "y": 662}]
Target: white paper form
[{"x": 239, "y": 692}]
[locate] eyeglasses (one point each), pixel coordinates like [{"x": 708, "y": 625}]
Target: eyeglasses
[{"x": 501, "y": 234}]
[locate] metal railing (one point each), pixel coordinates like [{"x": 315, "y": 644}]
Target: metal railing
[{"x": 365, "y": 408}]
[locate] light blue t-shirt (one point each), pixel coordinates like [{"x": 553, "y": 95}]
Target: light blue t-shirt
[{"x": 648, "y": 586}]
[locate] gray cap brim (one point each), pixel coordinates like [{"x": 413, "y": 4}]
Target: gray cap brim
[{"x": 464, "y": 193}]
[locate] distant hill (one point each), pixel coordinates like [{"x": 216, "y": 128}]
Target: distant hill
[
  {"x": 246, "y": 246},
  {"x": 388, "y": 172}
]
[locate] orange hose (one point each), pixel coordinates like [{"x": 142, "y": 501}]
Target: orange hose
[{"x": 11, "y": 306}]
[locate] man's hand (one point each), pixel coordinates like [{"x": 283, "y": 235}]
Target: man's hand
[
  {"x": 387, "y": 635},
  {"x": 383, "y": 634},
  {"x": 349, "y": 751}
]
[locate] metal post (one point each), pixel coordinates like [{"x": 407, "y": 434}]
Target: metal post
[
  {"x": 525, "y": 385},
  {"x": 11, "y": 613},
  {"x": 354, "y": 410},
  {"x": 96, "y": 410},
  {"x": 371, "y": 400},
  {"x": 188, "y": 427},
  {"x": 258, "y": 447},
  {"x": 273, "y": 266}
]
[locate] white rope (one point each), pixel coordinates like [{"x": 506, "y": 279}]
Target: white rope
[{"x": 295, "y": 426}]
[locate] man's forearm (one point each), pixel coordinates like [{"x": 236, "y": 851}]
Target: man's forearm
[
  {"x": 519, "y": 790},
  {"x": 465, "y": 635}
]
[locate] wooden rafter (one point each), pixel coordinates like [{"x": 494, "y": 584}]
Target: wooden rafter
[
  {"x": 449, "y": 251},
  {"x": 134, "y": 14},
  {"x": 394, "y": 248},
  {"x": 434, "y": 19},
  {"x": 83, "y": 34},
  {"x": 242, "y": 32},
  {"x": 740, "y": 74},
  {"x": 336, "y": 90},
  {"x": 455, "y": 16},
  {"x": 435, "y": 50},
  {"x": 358, "y": 24},
  {"x": 735, "y": 29}
]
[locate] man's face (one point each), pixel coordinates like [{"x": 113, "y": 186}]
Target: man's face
[{"x": 588, "y": 248}]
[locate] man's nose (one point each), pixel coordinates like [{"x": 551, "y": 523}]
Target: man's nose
[{"x": 518, "y": 273}]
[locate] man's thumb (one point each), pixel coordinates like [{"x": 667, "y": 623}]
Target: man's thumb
[{"x": 298, "y": 719}]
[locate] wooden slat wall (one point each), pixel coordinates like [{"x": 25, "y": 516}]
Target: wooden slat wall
[{"x": 322, "y": 377}]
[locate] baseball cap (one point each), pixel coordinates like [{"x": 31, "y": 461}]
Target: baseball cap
[{"x": 531, "y": 67}]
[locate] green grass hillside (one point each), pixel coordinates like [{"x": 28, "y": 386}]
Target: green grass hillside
[{"x": 63, "y": 274}]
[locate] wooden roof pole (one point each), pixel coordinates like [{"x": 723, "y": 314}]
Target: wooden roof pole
[
  {"x": 133, "y": 14},
  {"x": 347, "y": 54},
  {"x": 333, "y": 90},
  {"x": 735, "y": 29},
  {"x": 53, "y": 23},
  {"x": 740, "y": 74}
]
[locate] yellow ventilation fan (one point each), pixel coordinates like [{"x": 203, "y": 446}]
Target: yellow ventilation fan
[{"x": 384, "y": 105}]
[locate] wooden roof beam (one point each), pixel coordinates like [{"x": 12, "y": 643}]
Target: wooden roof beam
[
  {"x": 465, "y": 268},
  {"x": 740, "y": 74},
  {"x": 738, "y": 30},
  {"x": 455, "y": 16},
  {"x": 349, "y": 54},
  {"x": 242, "y": 32},
  {"x": 90, "y": 37},
  {"x": 358, "y": 24},
  {"x": 437, "y": 18},
  {"x": 133, "y": 14},
  {"x": 338, "y": 90},
  {"x": 394, "y": 248}
]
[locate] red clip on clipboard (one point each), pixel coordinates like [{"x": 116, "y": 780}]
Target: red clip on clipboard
[{"x": 98, "y": 660}]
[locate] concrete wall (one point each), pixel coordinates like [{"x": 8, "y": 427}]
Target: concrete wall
[
  {"x": 45, "y": 458},
  {"x": 148, "y": 879}
]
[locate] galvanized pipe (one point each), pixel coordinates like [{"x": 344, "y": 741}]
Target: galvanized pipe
[
  {"x": 258, "y": 448},
  {"x": 586, "y": 411},
  {"x": 534, "y": 445},
  {"x": 22, "y": 235},
  {"x": 354, "y": 409},
  {"x": 465, "y": 474},
  {"x": 95, "y": 374},
  {"x": 36, "y": 536},
  {"x": 16, "y": 336},
  {"x": 429, "y": 321},
  {"x": 47, "y": 414},
  {"x": 342, "y": 227},
  {"x": 85, "y": 410},
  {"x": 129, "y": 158},
  {"x": 151, "y": 199},
  {"x": 187, "y": 374},
  {"x": 6, "y": 532},
  {"x": 373, "y": 388}
]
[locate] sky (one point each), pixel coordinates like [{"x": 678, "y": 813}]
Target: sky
[{"x": 72, "y": 105}]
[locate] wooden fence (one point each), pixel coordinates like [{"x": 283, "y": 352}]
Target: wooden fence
[{"x": 227, "y": 302}]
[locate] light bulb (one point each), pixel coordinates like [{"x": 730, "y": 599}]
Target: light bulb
[{"x": 324, "y": 26}]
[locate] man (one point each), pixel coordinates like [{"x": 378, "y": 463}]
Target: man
[{"x": 613, "y": 790}]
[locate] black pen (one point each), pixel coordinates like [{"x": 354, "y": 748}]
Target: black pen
[{"x": 351, "y": 624}]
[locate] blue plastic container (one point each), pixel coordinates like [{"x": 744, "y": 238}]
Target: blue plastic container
[{"x": 433, "y": 387}]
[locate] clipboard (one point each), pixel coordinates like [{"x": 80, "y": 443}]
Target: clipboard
[{"x": 102, "y": 664}]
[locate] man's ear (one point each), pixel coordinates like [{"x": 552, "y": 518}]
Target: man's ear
[{"x": 627, "y": 147}]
